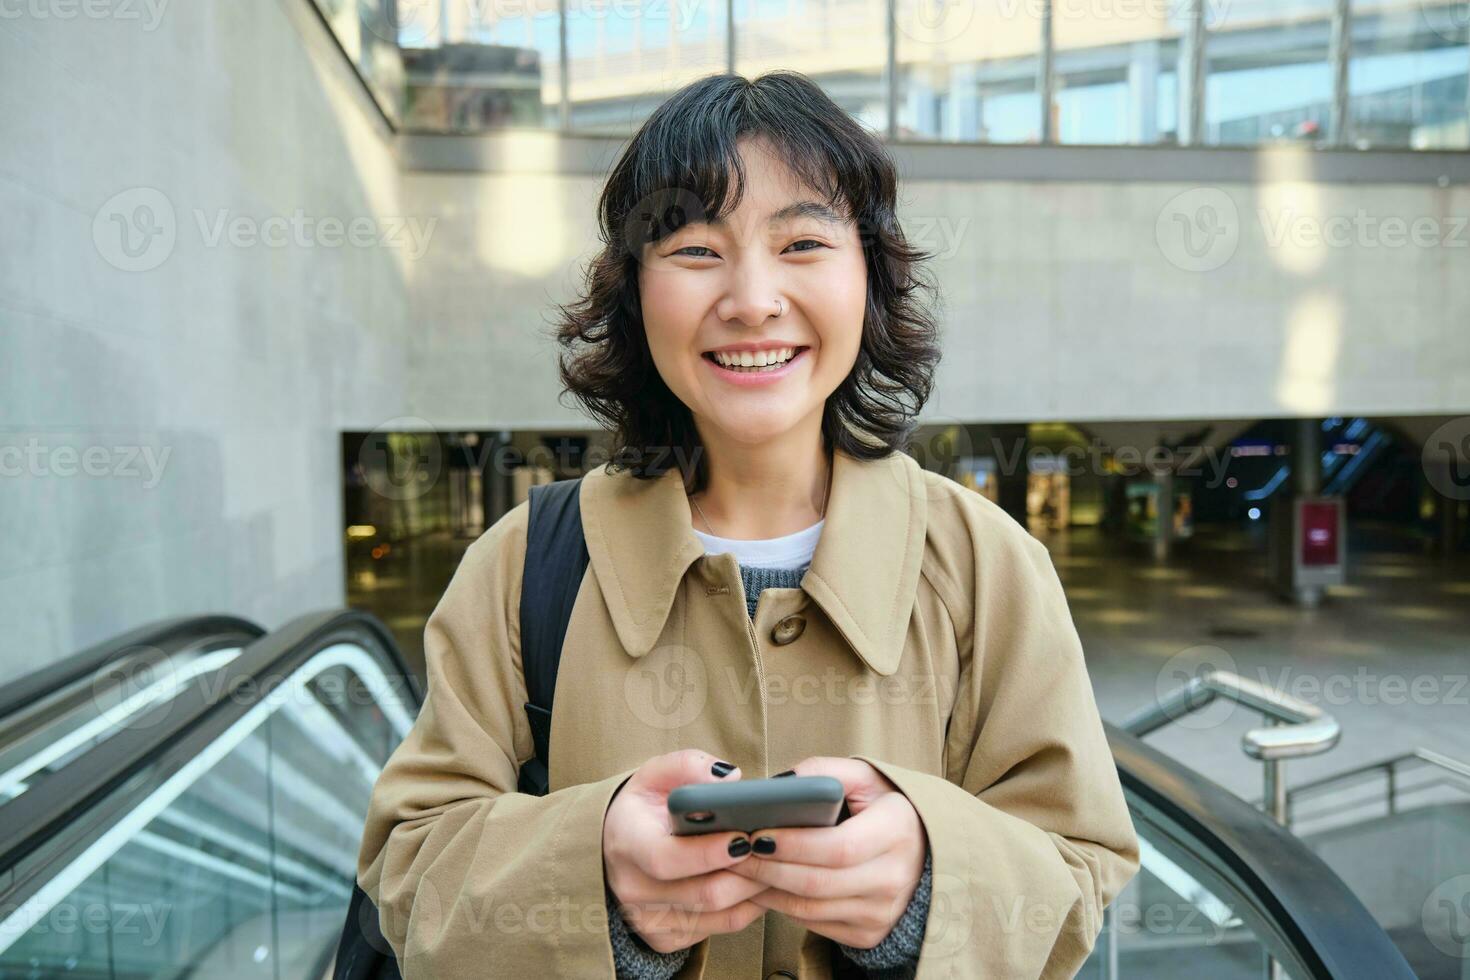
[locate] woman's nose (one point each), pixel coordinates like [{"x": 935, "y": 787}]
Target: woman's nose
[{"x": 754, "y": 297}]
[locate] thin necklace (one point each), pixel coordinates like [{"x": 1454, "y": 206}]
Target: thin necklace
[{"x": 827, "y": 492}]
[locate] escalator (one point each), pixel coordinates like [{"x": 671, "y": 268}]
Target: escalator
[
  {"x": 215, "y": 834},
  {"x": 51, "y": 716}
]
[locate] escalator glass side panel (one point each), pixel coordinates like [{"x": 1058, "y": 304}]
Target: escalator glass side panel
[
  {"x": 236, "y": 861},
  {"x": 1178, "y": 918},
  {"x": 93, "y": 710}
]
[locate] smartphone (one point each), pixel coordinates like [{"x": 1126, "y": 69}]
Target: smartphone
[{"x": 752, "y": 804}]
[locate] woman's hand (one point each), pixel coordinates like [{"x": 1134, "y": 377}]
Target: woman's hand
[
  {"x": 674, "y": 891},
  {"x": 850, "y": 882}
]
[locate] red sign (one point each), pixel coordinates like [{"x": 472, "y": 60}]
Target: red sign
[{"x": 1319, "y": 533}]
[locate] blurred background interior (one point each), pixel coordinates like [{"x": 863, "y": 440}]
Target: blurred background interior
[{"x": 273, "y": 302}]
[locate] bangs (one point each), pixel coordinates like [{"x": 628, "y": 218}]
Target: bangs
[{"x": 684, "y": 164}]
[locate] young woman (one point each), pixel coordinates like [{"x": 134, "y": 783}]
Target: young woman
[{"x": 774, "y": 586}]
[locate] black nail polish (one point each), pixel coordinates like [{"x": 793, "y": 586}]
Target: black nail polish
[
  {"x": 765, "y": 845},
  {"x": 722, "y": 769},
  {"x": 788, "y": 772},
  {"x": 739, "y": 846}
]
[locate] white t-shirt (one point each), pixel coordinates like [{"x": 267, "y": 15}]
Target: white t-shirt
[{"x": 787, "y": 551}]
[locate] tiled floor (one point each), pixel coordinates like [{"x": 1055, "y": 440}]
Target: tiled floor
[{"x": 1388, "y": 654}]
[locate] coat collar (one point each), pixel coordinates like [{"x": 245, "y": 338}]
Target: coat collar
[{"x": 864, "y": 573}]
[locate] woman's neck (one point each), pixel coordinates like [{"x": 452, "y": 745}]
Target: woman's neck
[{"x": 752, "y": 495}]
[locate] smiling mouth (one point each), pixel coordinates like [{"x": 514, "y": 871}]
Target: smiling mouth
[{"x": 754, "y": 369}]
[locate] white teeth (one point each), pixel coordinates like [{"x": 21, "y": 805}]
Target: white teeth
[{"x": 763, "y": 358}]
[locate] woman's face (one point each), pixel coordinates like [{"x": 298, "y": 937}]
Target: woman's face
[{"x": 714, "y": 287}]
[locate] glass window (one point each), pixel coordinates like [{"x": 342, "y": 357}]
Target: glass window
[
  {"x": 1407, "y": 74},
  {"x": 369, "y": 36},
  {"x": 967, "y": 72},
  {"x": 476, "y": 67},
  {"x": 1115, "y": 68},
  {"x": 840, "y": 44},
  {"x": 625, "y": 58},
  {"x": 1268, "y": 74}
]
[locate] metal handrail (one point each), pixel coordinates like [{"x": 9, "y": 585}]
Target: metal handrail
[
  {"x": 1296, "y": 728},
  {"x": 1293, "y": 729},
  {"x": 1454, "y": 768},
  {"x": 1258, "y": 867}
]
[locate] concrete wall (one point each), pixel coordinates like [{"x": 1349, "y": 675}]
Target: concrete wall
[
  {"x": 171, "y": 403},
  {"x": 1065, "y": 299}
]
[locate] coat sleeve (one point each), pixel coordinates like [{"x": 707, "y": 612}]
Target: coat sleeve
[
  {"x": 1028, "y": 829},
  {"x": 471, "y": 877}
]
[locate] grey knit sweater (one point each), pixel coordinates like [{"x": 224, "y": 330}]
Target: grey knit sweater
[{"x": 895, "y": 957}]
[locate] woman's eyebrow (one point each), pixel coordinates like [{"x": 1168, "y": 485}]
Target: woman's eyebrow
[{"x": 798, "y": 209}]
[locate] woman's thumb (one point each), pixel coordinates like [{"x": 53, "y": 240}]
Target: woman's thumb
[{"x": 671, "y": 770}]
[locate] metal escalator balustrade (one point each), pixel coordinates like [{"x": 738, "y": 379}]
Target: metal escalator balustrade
[
  {"x": 1225, "y": 891},
  {"x": 217, "y": 834},
  {"x": 51, "y": 716}
]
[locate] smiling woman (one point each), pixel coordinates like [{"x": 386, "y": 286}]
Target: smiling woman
[{"x": 754, "y": 317}]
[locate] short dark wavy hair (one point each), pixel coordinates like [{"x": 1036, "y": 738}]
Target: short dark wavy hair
[{"x": 684, "y": 159}]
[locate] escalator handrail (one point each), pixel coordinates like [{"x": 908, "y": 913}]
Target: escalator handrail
[
  {"x": 1324, "y": 922},
  {"x": 166, "y": 635},
  {"x": 1331, "y": 930},
  {"x": 173, "y": 731}
]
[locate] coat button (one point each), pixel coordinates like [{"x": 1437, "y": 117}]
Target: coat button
[{"x": 787, "y": 630}]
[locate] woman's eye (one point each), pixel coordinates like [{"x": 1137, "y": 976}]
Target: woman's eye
[
  {"x": 686, "y": 248},
  {"x": 804, "y": 241}
]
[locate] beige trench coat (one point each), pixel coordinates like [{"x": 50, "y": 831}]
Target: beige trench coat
[{"x": 935, "y": 643}]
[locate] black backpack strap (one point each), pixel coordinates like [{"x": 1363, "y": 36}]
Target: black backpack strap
[{"x": 556, "y": 560}]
